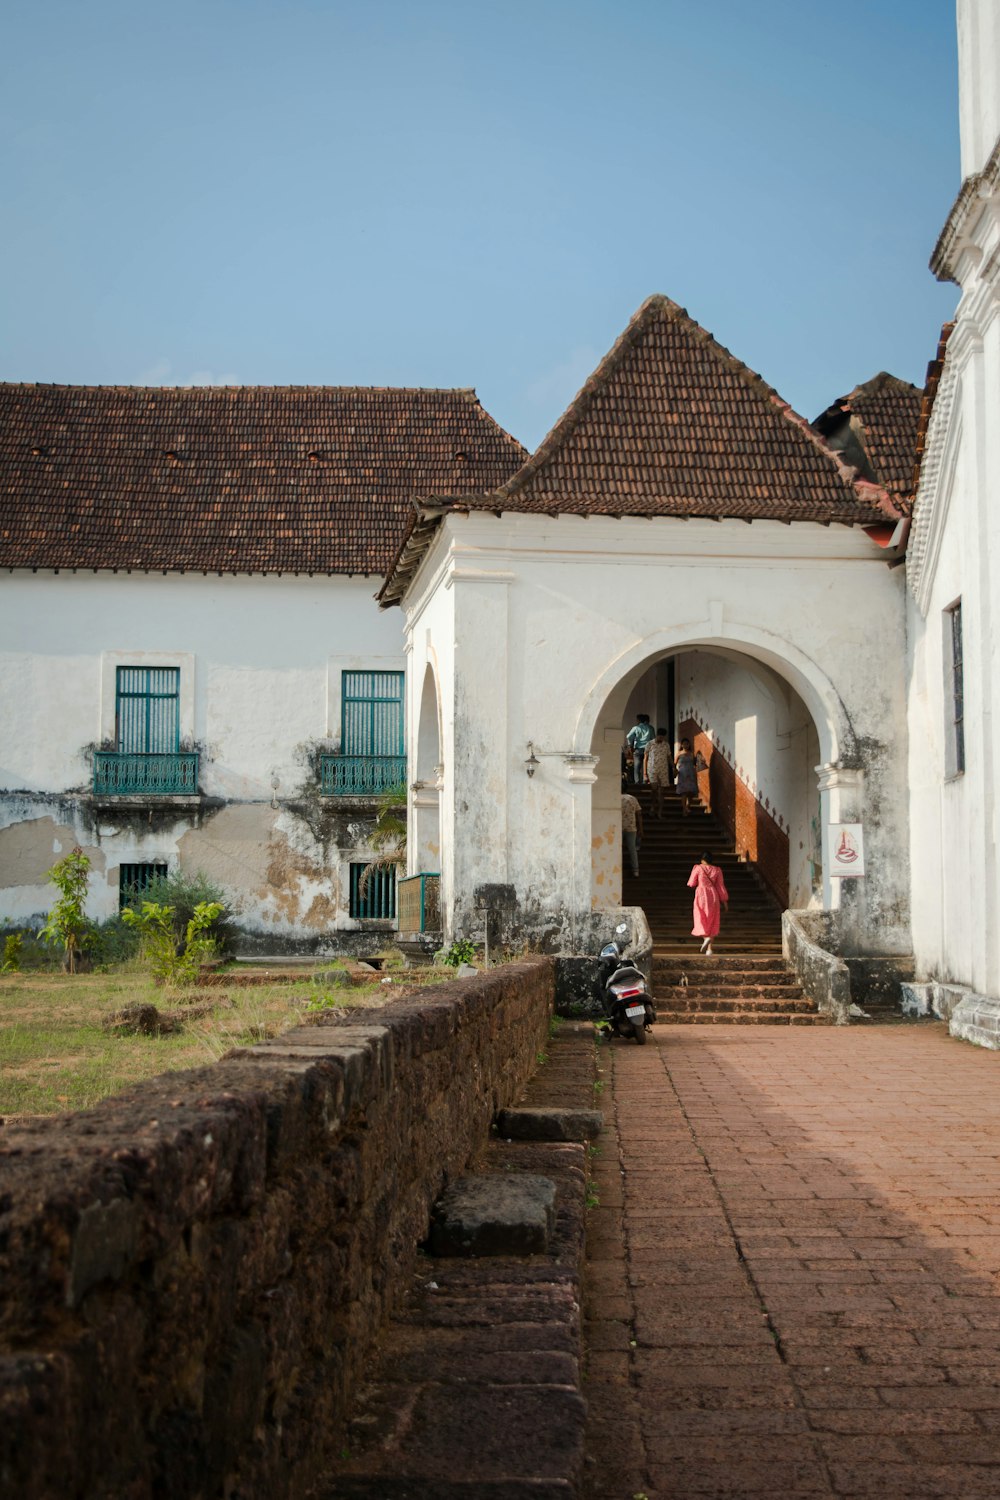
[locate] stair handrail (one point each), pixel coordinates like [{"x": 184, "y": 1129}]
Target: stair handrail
[{"x": 824, "y": 977}]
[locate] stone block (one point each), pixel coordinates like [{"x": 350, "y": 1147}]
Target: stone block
[
  {"x": 976, "y": 1018},
  {"x": 485, "y": 1435},
  {"x": 917, "y": 999},
  {"x": 104, "y": 1246},
  {"x": 524, "y": 1124},
  {"x": 494, "y": 1215}
]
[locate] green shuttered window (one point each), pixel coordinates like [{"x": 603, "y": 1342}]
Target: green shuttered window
[
  {"x": 147, "y": 710},
  {"x": 372, "y": 713},
  {"x": 372, "y": 756}
]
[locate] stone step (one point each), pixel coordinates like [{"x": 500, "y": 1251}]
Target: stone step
[
  {"x": 682, "y": 953},
  {"x": 671, "y": 1007},
  {"x": 750, "y": 989},
  {"x": 682, "y": 976},
  {"x": 704, "y": 963},
  {"x": 745, "y": 1018}
]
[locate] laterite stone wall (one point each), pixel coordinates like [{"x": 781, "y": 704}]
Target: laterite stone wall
[{"x": 193, "y": 1274}]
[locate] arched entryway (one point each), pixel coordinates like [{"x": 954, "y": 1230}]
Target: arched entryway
[
  {"x": 425, "y": 839},
  {"x": 773, "y": 734}
]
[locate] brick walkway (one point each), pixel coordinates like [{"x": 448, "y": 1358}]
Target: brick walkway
[{"x": 792, "y": 1279}]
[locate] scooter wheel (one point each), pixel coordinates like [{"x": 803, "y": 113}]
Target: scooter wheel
[{"x": 639, "y": 1032}]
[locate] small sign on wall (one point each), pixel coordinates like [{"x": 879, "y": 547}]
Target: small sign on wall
[{"x": 847, "y": 851}]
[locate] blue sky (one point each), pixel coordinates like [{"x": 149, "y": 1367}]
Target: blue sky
[{"x": 385, "y": 193}]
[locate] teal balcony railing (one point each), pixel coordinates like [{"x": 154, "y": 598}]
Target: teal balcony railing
[
  {"x": 123, "y": 773},
  {"x": 418, "y": 902},
  {"x": 360, "y": 775}
]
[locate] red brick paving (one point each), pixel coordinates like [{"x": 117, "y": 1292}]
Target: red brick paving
[{"x": 793, "y": 1272}]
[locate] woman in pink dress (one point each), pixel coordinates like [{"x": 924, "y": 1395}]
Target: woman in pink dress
[{"x": 709, "y": 893}]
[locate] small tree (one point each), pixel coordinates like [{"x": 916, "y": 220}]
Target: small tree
[
  {"x": 156, "y": 924},
  {"x": 67, "y": 925}
]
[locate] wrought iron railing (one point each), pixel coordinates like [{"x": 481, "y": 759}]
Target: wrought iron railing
[
  {"x": 360, "y": 775},
  {"x": 122, "y": 773},
  {"x": 419, "y": 903}
]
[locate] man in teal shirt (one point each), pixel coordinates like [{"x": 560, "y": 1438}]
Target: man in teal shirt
[{"x": 639, "y": 737}]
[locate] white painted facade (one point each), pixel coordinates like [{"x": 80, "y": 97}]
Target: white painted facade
[
  {"x": 954, "y": 559},
  {"x": 260, "y": 664},
  {"x": 540, "y": 630},
  {"x": 826, "y": 674}
]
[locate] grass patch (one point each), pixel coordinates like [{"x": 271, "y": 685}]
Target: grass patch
[{"x": 55, "y": 1054}]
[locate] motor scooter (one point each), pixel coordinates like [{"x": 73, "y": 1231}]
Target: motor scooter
[{"x": 627, "y": 1006}]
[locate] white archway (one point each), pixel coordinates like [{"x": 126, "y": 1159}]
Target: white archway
[
  {"x": 826, "y": 789},
  {"x": 425, "y": 843},
  {"x": 836, "y": 737}
]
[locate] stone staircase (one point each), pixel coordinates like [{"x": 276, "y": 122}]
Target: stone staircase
[
  {"x": 738, "y": 990},
  {"x": 745, "y": 981}
]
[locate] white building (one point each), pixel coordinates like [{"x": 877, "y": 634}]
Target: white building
[
  {"x": 953, "y": 563},
  {"x": 195, "y": 674},
  {"x": 680, "y": 534}
]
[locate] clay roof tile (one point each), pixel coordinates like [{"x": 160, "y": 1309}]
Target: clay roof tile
[
  {"x": 244, "y": 479},
  {"x": 672, "y": 424}
]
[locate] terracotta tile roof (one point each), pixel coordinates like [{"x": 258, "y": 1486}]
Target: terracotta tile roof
[
  {"x": 672, "y": 424},
  {"x": 881, "y": 417},
  {"x": 232, "y": 479}
]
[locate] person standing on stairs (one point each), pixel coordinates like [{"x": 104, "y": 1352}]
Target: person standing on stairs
[
  {"x": 710, "y": 895},
  {"x": 688, "y": 766},
  {"x": 632, "y": 829},
  {"x": 660, "y": 767},
  {"x": 639, "y": 737}
]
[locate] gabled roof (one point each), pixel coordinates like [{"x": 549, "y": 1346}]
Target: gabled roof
[
  {"x": 882, "y": 417},
  {"x": 672, "y": 424},
  {"x": 239, "y": 479}
]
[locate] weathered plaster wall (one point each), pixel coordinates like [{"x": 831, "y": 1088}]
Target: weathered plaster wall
[
  {"x": 260, "y": 663},
  {"x": 192, "y": 1275},
  {"x": 573, "y": 612}
]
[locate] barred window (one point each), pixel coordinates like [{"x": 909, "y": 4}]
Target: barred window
[
  {"x": 378, "y": 899},
  {"x": 134, "y": 881}
]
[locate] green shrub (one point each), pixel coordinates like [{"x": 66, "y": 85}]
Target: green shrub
[
  {"x": 115, "y": 942},
  {"x": 156, "y": 924},
  {"x": 184, "y": 893},
  {"x": 12, "y": 945},
  {"x": 462, "y": 951}
]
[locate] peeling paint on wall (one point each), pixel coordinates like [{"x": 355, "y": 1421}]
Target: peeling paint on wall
[{"x": 28, "y": 851}]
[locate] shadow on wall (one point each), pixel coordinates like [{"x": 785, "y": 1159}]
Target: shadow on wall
[{"x": 757, "y": 833}]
